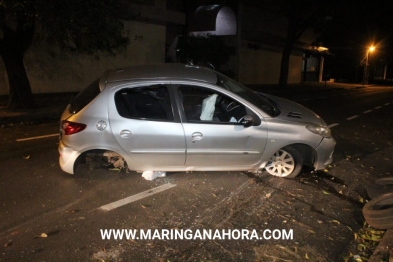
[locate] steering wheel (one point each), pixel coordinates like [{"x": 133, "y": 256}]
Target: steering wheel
[{"x": 232, "y": 105}]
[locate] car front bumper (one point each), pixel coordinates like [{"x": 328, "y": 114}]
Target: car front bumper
[{"x": 324, "y": 153}]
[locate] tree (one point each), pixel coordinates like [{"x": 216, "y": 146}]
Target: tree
[
  {"x": 302, "y": 15},
  {"x": 81, "y": 26}
]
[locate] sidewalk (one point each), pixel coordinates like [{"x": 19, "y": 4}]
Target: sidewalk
[{"x": 50, "y": 108}]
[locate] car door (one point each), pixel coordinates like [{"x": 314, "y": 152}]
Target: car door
[
  {"x": 221, "y": 141},
  {"x": 143, "y": 122}
]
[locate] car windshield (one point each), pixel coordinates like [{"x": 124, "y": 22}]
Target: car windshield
[
  {"x": 256, "y": 99},
  {"x": 84, "y": 97}
]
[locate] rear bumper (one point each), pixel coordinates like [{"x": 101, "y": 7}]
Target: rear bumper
[
  {"x": 67, "y": 158},
  {"x": 324, "y": 153}
]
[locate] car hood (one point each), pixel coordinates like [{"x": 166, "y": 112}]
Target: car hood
[{"x": 291, "y": 111}]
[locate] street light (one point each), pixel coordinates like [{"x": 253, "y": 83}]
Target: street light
[{"x": 365, "y": 73}]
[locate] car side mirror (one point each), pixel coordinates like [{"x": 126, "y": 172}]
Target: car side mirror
[{"x": 248, "y": 121}]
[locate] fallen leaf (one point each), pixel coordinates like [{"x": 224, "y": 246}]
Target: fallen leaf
[
  {"x": 311, "y": 231},
  {"x": 361, "y": 200},
  {"x": 326, "y": 193},
  {"x": 361, "y": 247},
  {"x": 306, "y": 256},
  {"x": 143, "y": 206},
  {"x": 268, "y": 195},
  {"x": 8, "y": 244},
  {"x": 43, "y": 235},
  {"x": 26, "y": 157},
  {"x": 336, "y": 221},
  {"x": 376, "y": 237}
]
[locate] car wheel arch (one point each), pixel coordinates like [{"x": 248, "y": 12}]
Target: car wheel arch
[
  {"x": 307, "y": 152},
  {"x": 96, "y": 153}
]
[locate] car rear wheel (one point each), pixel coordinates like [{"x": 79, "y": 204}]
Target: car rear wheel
[{"x": 286, "y": 162}]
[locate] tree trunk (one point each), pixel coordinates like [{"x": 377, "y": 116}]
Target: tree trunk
[
  {"x": 284, "y": 69},
  {"x": 20, "y": 91},
  {"x": 286, "y": 55},
  {"x": 13, "y": 45}
]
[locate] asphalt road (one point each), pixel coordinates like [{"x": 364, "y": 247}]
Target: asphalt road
[{"x": 47, "y": 215}]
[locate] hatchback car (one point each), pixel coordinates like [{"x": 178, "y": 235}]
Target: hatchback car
[{"x": 176, "y": 117}]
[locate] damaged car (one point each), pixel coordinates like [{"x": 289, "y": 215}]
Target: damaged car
[{"x": 176, "y": 117}]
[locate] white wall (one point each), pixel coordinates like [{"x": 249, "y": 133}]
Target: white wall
[{"x": 52, "y": 70}]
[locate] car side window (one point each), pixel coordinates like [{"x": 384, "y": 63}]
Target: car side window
[
  {"x": 204, "y": 105},
  {"x": 147, "y": 102}
]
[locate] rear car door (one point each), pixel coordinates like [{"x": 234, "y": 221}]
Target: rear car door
[{"x": 143, "y": 122}]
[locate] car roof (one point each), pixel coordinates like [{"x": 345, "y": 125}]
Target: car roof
[{"x": 162, "y": 72}]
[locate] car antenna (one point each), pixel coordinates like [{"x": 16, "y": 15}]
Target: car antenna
[{"x": 211, "y": 65}]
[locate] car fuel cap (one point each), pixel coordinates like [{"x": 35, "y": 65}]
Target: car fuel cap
[{"x": 101, "y": 125}]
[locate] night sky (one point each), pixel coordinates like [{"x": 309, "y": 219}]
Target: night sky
[{"x": 354, "y": 27}]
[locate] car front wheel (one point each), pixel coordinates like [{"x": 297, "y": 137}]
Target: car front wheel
[{"x": 286, "y": 162}]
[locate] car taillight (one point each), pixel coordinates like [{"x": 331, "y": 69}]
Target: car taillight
[{"x": 72, "y": 127}]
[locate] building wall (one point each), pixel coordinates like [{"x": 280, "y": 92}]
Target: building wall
[
  {"x": 258, "y": 66},
  {"x": 52, "y": 70},
  {"x": 263, "y": 36},
  {"x": 262, "y": 66}
]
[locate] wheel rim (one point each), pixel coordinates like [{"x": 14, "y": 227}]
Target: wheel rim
[{"x": 281, "y": 164}]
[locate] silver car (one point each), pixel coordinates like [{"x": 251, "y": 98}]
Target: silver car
[{"x": 176, "y": 117}]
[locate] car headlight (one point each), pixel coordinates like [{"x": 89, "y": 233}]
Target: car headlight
[{"x": 320, "y": 130}]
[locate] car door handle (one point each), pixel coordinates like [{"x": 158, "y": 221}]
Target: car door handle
[
  {"x": 196, "y": 136},
  {"x": 125, "y": 133}
]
